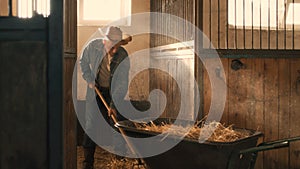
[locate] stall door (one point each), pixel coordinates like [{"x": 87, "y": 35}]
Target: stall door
[
  {"x": 173, "y": 74},
  {"x": 31, "y": 85}
]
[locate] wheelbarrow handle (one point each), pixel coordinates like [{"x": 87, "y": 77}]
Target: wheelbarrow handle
[
  {"x": 254, "y": 150},
  {"x": 281, "y": 140},
  {"x": 265, "y": 147},
  {"x": 271, "y": 145}
]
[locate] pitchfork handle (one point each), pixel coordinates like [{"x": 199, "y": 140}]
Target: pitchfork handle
[{"x": 115, "y": 121}]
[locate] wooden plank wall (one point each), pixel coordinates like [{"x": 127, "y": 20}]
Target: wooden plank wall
[
  {"x": 161, "y": 80},
  {"x": 176, "y": 80},
  {"x": 264, "y": 96},
  {"x": 70, "y": 55}
]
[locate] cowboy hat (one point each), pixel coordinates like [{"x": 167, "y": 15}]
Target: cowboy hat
[{"x": 113, "y": 34}]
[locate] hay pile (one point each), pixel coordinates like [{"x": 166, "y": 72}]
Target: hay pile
[
  {"x": 215, "y": 131},
  {"x": 106, "y": 160},
  {"x": 125, "y": 163}
]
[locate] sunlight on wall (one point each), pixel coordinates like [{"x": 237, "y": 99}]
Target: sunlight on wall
[
  {"x": 25, "y": 8},
  {"x": 95, "y": 9},
  {"x": 102, "y": 12},
  {"x": 293, "y": 14}
]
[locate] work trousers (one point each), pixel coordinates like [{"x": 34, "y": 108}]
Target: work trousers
[{"x": 87, "y": 141}]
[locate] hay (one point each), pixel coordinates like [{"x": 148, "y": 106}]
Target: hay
[
  {"x": 107, "y": 160},
  {"x": 125, "y": 163},
  {"x": 217, "y": 132}
]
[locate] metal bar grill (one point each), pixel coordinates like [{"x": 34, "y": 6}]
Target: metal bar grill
[
  {"x": 293, "y": 30},
  {"x": 285, "y": 26},
  {"x": 10, "y": 8},
  {"x": 277, "y": 24},
  {"x": 244, "y": 30},
  {"x": 227, "y": 25},
  {"x": 252, "y": 24},
  {"x": 210, "y": 13},
  {"x": 260, "y": 35},
  {"x": 252, "y": 36},
  {"x": 219, "y": 24},
  {"x": 269, "y": 22},
  {"x": 24, "y": 8},
  {"x": 235, "y": 28}
]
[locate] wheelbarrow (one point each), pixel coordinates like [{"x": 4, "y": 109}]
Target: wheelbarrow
[
  {"x": 271, "y": 145},
  {"x": 191, "y": 154}
]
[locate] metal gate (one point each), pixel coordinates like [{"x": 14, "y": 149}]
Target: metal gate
[{"x": 252, "y": 27}]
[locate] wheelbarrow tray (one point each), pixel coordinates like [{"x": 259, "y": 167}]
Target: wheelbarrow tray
[{"x": 190, "y": 154}]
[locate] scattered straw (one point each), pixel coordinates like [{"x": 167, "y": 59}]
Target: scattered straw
[
  {"x": 219, "y": 133},
  {"x": 106, "y": 160}
]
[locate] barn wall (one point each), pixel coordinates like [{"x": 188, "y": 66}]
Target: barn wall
[
  {"x": 263, "y": 95},
  {"x": 174, "y": 75},
  {"x": 69, "y": 61},
  {"x": 178, "y": 65}
]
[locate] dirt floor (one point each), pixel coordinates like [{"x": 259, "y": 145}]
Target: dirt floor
[{"x": 106, "y": 160}]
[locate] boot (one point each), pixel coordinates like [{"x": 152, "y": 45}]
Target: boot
[
  {"x": 88, "y": 162},
  {"x": 120, "y": 158}
]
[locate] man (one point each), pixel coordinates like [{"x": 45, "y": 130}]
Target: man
[{"x": 98, "y": 63}]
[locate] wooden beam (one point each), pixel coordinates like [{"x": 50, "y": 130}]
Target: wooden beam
[{"x": 55, "y": 85}]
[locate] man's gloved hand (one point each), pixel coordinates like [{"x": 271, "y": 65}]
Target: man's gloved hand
[{"x": 92, "y": 85}]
